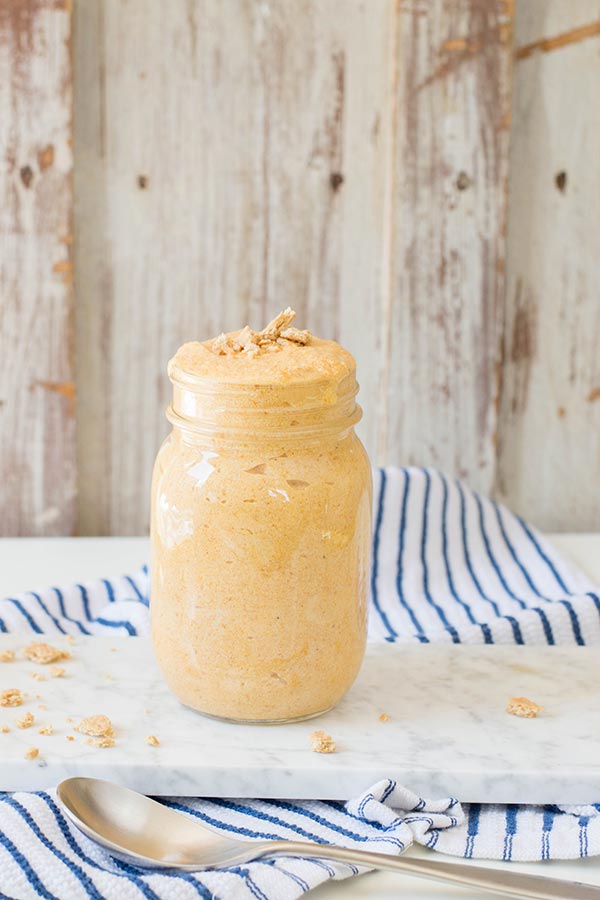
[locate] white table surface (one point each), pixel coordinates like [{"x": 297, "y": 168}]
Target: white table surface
[{"x": 30, "y": 563}]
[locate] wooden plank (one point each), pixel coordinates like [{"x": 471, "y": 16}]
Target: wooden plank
[
  {"x": 37, "y": 430},
  {"x": 444, "y": 310},
  {"x": 231, "y": 160},
  {"x": 549, "y": 448}
]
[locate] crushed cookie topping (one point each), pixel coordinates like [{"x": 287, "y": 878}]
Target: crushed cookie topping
[
  {"x": 321, "y": 742},
  {"x": 96, "y": 726},
  {"x": 42, "y": 654},
  {"x": 250, "y": 342},
  {"x": 524, "y": 708},
  {"x": 152, "y": 740},
  {"x": 11, "y": 697},
  {"x": 26, "y": 721},
  {"x": 7, "y": 656},
  {"x": 46, "y": 729},
  {"x": 32, "y": 753},
  {"x": 281, "y": 321},
  {"x": 296, "y": 335}
]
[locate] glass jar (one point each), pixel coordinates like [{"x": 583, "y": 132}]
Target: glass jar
[{"x": 261, "y": 534}]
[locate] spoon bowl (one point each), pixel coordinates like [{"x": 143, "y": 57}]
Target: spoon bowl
[
  {"x": 143, "y": 831},
  {"x": 147, "y": 833}
]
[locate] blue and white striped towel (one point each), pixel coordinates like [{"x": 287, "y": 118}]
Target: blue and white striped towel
[{"x": 448, "y": 565}]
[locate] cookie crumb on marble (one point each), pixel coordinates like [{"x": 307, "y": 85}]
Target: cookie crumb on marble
[
  {"x": 384, "y": 717},
  {"x": 57, "y": 672},
  {"x": 26, "y": 721},
  {"x": 521, "y": 706},
  {"x": 5, "y": 729},
  {"x": 152, "y": 740},
  {"x": 103, "y": 741},
  {"x": 46, "y": 729},
  {"x": 38, "y": 676},
  {"x": 32, "y": 753},
  {"x": 70, "y": 737},
  {"x": 321, "y": 742},
  {"x": 7, "y": 656},
  {"x": 96, "y": 726},
  {"x": 11, "y": 697},
  {"x": 42, "y": 653}
]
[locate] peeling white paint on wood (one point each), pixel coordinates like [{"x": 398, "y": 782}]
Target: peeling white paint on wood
[
  {"x": 228, "y": 164},
  {"x": 549, "y": 434},
  {"x": 447, "y": 260},
  {"x": 37, "y": 393},
  {"x": 234, "y": 156}
]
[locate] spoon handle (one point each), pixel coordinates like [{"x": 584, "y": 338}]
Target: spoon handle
[{"x": 495, "y": 881}]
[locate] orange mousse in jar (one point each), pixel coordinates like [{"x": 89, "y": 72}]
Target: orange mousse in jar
[{"x": 261, "y": 526}]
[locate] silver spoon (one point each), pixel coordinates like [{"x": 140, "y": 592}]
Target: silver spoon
[{"x": 146, "y": 833}]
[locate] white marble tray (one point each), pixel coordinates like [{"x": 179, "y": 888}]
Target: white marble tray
[{"x": 447, "y": 734}]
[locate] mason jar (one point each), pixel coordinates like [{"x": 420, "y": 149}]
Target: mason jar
[{"x": 261, "y": 534}]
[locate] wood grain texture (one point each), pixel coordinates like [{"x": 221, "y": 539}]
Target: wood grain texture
[
  {"x": 37, "y": 392},
  {"x": 231, "y": 159},
  {"x": 445, "y": 303},
  {"x": 549, "y": 449}
]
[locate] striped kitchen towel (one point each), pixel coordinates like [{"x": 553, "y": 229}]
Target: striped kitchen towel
[{"x": 448, "y": 565}]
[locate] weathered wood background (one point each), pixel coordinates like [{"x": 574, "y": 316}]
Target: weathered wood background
[{"x": 419, "y": 178}]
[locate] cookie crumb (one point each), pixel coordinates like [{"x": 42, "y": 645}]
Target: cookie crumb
[
  {"x": 103, "y": 741},
  {"x": 296, "y": 335},
  {"x": 11, "y": 697},
  {"x": 5, "y": 729},
  {"x": 221, "y": 345},
  {"x": 521, "y": 706},
  {"x": 384, "y": 717},
  {"x": 152, "y": 740},
  {"x": 281, "y": 322},
  {"x": 38, "y": 676},
  {"x": 70, "y": 639},
  {"x": 321, "y": 742},
  {"x": 42, "y": 653},
  {"x": 46, "y": 729},
  {"x": 57, "y": 672},
  {"x": 32, "y": 753},
  {"x": 96, "y": 726},
  {"x": 26, "y": 721},
  {"x": 7, "y": 656},
  {"x": 70, "y": 737}
]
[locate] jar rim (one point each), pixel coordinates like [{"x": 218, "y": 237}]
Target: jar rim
[{"x": 211, "y": 406}]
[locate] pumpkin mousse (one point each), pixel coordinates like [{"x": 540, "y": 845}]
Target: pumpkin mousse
[{"x": 261, "y": 526}]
